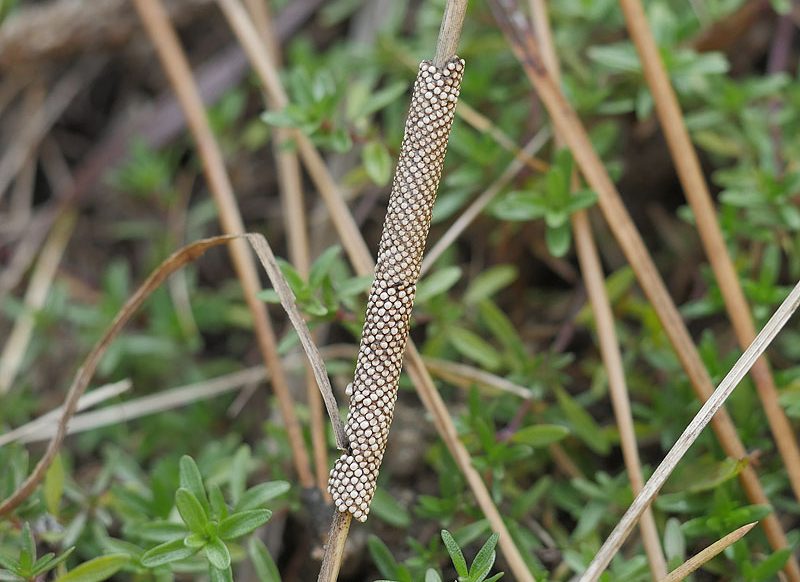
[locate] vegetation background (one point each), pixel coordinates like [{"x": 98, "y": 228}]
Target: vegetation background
[{"x": 100, "y": 182}]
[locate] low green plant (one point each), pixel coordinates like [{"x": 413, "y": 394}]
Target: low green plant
[{"x": 210, "y": 524}]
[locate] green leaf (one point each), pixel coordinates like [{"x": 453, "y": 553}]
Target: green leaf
[
  {"x": 54, "y": 485},
  {"x": 438, "y": 282},
  {"x": 256, "y": 497},
  {"x": 238, "y": 478},
  {"x": 223, "y": 575},
  {"x": 282, "y": 118},
  {"x": 195, "y": 541},
  {"x": 540, "y": 435},
  {"x": 377, "y": 162},
  {"x": 519, "y": 206},
  {"x": 27, "y": 554},
  {"x": 484, "y": 561},
  {"x": 192, "y": 480},
  {"x": 674, "y": 542},
  {"x": 264, "y": 565},
  {"x": 496, "y": 577},
  {"x": 218, "y": 554},
  {"x": 620, "y": 57},
  {"x": 50, "y": 561},
  {"x": 489, "y": 282},
  {"x": 558, "y": 239},
  {"x": 382, "y": 98},
  {"x": 8, "y": 563},
  {"x": 432, "y": 575},
  {"x": 474, "y": 347},
  {"x": 382, "y": 557},
  {"x": 167, "y": 552},
  {"x": 769, "y": 568},
  {"x": 193, "y": 514},
  {"x": 583, "y": 424},
  {"x": 243, "y": 523},
  {"x": 96, "y": 570},
  {"x": 157, "y": 531},
  {"x": 219, "y": 509},
  {"x": 323, "y": 265},
  {"x": 456, "y": 555},
  {"x": 386, "y": 508}
]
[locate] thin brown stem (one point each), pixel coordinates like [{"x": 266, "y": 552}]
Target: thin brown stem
[
  {"x": 708, "y": 553},
  {"x": 628, "y": 237},
  {"x": 334, "y": 546},
  {"x": 594, "y": 280},
  {"x": 291, "y": 191},
  {"x": 176, "y": 65},
  {"x": 696, "y": 191},
  {"x": 450, "y": 31},
  {"x": 690, "y": 434}
]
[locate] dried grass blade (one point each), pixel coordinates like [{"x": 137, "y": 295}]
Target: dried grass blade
[
  {"x": 707, "y": 554},
  {"x": 690, "y": 434}
]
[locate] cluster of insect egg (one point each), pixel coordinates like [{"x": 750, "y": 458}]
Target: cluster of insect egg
[{"x": 380, "y": 358}]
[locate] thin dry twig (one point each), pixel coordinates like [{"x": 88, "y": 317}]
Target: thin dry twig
[
  {"x": 291, "y": 191},
  {"x": 139, "y": 407},
  {"x": 690, "y": 434},
  {"x": 594, "y": 280},
  {"x": 465, "y": 376},
  {"x": 174, "y": 262},
  {"x": 621, "y": 225},
  {"x": 708, "y": 553},
  {"x": 264, "y": 252},
  {"x": 697, "y": 193},
  {"x": 449, "y": 32},
  {"x": 176, "y": 65},
  {"x": 43, "y": 427},
  {"x": 85, "y": 372}
]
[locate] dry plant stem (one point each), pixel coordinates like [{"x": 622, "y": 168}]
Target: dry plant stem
[
  {"x": 465, "y": 376},
  {"x": 708, "y": 553},
  {"x": 34, "y": 429},
  {"x": 154, "y": 280},
  {"x": 266, "y": 70},
  {"x": 690, "y": 434},
  {"x": 334, "y": 547},
  {"x": 361, "y": 260},
  {"x": 696, "y": 190},
  {"x": 473, "y": 211},
  {"x": 483, "y": 124},
  {"x": 624, "y": 230},
  {"x": 291, "y": 191},
  {"x": 176, "y": 65},
  {"x": 316, "y": 363},
  {"x": 169, "y": 399},
  {"x": 85, "y": 372},
  {"x": 42, "y": 279},
  {"x": 593, "y": 278},
  {"x": 450, "y": 31},
  {"x": 44, "y": 427},
  {"x": 612, "y": 360}
]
